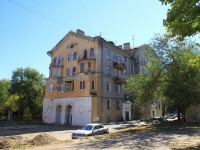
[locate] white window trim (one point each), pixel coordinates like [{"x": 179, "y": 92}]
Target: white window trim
[
  {"x": 118, "y": 92},
  {"x": 50, "y": 87},
  {"x": 69, "y": 58},
  {"x": 81, "y": 88},
  {"x": 109, "y": 86},
  {"x": 58, "y": 73}
]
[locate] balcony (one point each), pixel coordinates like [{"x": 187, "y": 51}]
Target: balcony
[
  {"x": 116, "y": 65},
  {"x": 119, "y": 80},
  {"x": 119, "y": 65},
  {"x": 84, "y": 57},
  {"x": 55, "y": 65}
]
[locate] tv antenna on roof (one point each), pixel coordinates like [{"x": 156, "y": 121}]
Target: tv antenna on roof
[{"x": 133, "y": 40}]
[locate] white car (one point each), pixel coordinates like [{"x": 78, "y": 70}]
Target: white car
[
  {"x": 90, "y": 129},
  {"x": 170, "y": 116}
]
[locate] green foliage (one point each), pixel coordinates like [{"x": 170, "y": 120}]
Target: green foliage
[
  {"x": 182, "y": 17},
  {"x": 27, "y": 114},
  {"x": 4, "y": 92},
  {"x": 169, "y": 77},
  {"x": 12, "y": 102},
  {"x": 195, "y": 62},
  {"x": 28, "y": 84}
]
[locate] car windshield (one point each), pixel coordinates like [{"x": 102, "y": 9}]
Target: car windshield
[{"x": 87, "y": 127}]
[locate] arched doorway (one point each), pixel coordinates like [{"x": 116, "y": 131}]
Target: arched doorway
[
  {"x": 68, "y": 114},
  {"x": 58, "y": 114}
]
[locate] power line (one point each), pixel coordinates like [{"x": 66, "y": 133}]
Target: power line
[{"x": 38, "y": 13}]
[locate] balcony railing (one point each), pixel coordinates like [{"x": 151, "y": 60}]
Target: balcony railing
[
  {"x": 55, "y": 65},
  {"x": 86, "y": 57},
  {"x": 119, "y": 80},
  {"x": 119, "y": 65}
]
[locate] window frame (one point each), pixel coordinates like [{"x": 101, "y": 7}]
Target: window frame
[
  {"x": 108, "y": 71},
  {"x": 68, "y": 72},
  {"x": 69, "y": 57},
  {"x": 58, "y": 73},
  {"x": 108, "y": 87},
  {"x": 89, "y": 70},
  {"x": 93, "y": 85},
  {"x": 108, "y": 103},
  {"x": 92, "y": 52},
  {"x": 74, "y": 72},
  {"x": 81, "y": 85},
  {"x": 50, "y": 89},
  {"x": 118, "y": 89},
  {"x": 75, "y": 56},
  {"x": 82, "y": 68},
  {"x": 117, "y": 104},
  {"x": 59, "y": 60},
  {"x": 108, "y": 55}
]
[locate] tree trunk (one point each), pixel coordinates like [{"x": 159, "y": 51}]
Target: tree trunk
[{"x": 10, "y": 115}]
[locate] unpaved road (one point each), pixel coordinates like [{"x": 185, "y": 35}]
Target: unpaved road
[{"x": 161, "y": 137}]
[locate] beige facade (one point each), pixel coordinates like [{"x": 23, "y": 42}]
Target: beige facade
[{"x": 85, "y": 81}]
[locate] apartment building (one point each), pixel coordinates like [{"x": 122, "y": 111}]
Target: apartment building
[
  {"x": 85, "y": 81},
  {"x": 155, "y": 108}
]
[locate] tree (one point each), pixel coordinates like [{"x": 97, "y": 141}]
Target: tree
[
  {"x": 4, "y": 93},
  {"x": 182, "y": 18},
  {"x": 169, "y": 77},
  {"x": 28, "y": 84},
  {"x": 27, "y": 114}
]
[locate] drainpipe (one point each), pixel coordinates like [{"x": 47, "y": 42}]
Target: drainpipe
[{"x": 101, "y": 43}]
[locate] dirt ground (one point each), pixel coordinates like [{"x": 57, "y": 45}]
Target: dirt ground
[{"x": 165, "y": 136}]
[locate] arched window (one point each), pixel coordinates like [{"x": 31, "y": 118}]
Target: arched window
[
  {"x": 54, "y": 61},
  {"x": 59, "y": 60},
  {"x": 92, "y": 52},
  {"x": 115, "y": 58},
  {"x": 85, "y": 54},
  {"x": 69, "y": 57},
  {"x": 75, "y": 55},
  {"x": 119, "y": 59}
]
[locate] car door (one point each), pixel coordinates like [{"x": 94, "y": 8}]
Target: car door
[
  {"x": 101, "y": 129},
  {"x": 96, "y": 129}
]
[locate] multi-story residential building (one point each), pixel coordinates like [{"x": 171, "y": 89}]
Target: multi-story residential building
[
  {"x": 85, "y": 81},
  {"x": 155, "y": 108}
]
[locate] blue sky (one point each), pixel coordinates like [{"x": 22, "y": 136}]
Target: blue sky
[{"x": 30, "y": 28}]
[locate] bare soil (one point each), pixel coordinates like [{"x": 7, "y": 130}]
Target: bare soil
[{"x": 166, "y": 136}]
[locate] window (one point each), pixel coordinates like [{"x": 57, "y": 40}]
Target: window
[
  {"x": 125, "y": 72},
  {"x": 92, "y": 85},
  {"x": 108, "y": 87},
  {"x": 68, "y": 72},
  {"x": 118, "y": 89},
  {"x": 89, "y": 66},
  {"x": 82, "y": 67},
  {"x": 69, "y": 57},
  {"x": 52, "y": 73},
  {"x": 54, "y": 61},
  {"x": 132, "y": 68},
  {"x": 108, "y": 55},
  {"x": 72, "y": 86},
  {"x": 117, "y": 104},
  {"x": 59, "y": 60},
  {"x": 108, "y": 104},
  {"x": 115, "y": 72},
  {"x": 125, "y": 96},
  {"x": 119, "y": 72},
  {"x": 74, "y": 70},
  {"x": 115, "y": 58},
  {"x": 125, "y": 59},
  {"x": 85, "y": 54},
  {"x": 60, "y": 87},
  {"x": 119, "y": 59},
  {"x": 75, "y": 55},
  {"x": 108, "y": 71},
  {"x": 92, "y": 52},
  {"x": 50, "y": 87},
  {"x": 82, "y": 85},
  {"x": 57, "y": 73}
]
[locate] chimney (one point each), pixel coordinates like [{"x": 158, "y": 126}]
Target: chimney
[
  {"x": 126, "y": 46},
  {"x": 80, "y": 32},
  {"x": 120, "y": 46}
]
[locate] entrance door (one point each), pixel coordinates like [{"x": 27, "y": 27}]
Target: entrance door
[
  {"x": 127, "y": 116},
  {"x": 68, "y": 114},
  {"x": 58, "y": 114}
]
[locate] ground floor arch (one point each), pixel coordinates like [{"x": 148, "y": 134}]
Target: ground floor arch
[{"x": 58, "y": 114}]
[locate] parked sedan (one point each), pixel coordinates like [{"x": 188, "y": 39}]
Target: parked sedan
[{"x": 90, "y": 129}]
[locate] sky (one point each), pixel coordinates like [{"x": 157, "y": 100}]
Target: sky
[{"x": 30, "y": 28}]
